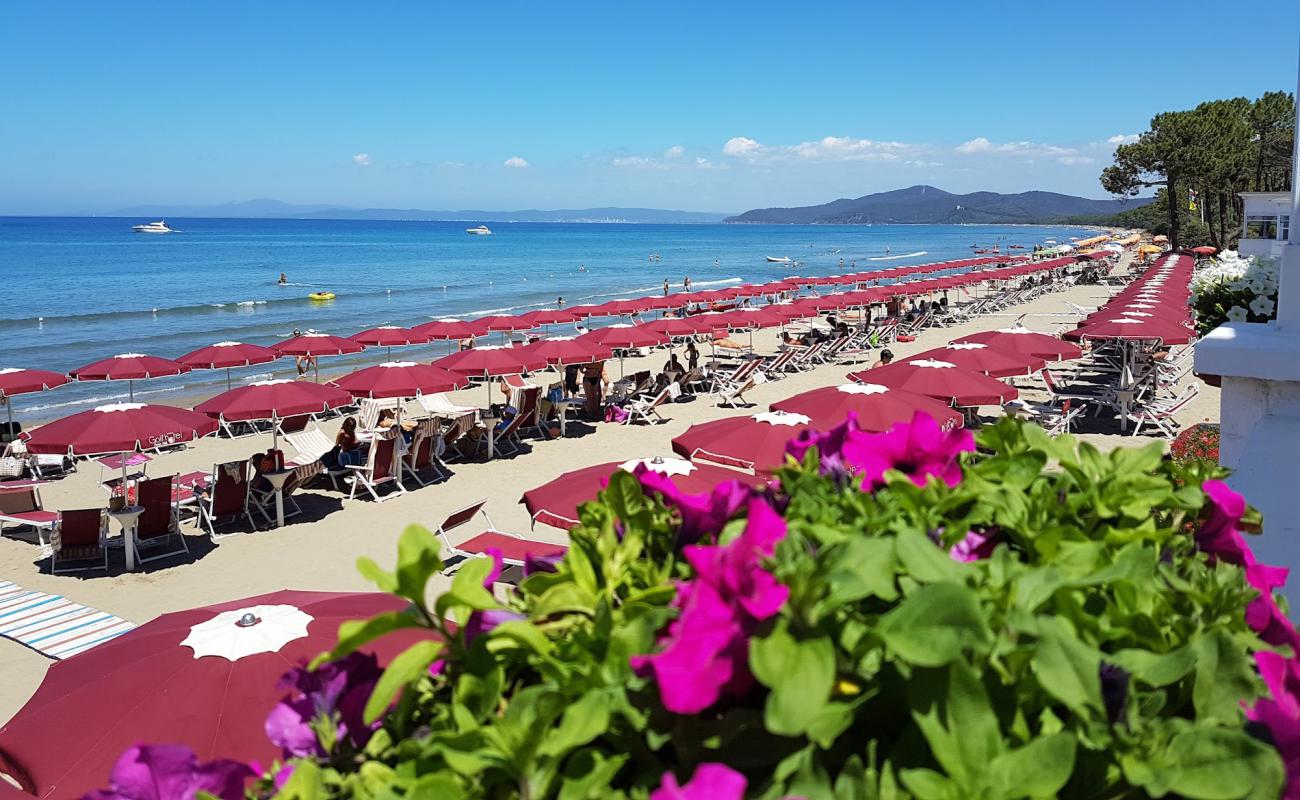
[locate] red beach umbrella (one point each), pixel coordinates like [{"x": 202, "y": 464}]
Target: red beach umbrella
[
  {"x": 15, "y": 381},
  {"x": 556, "y": 503},
  {"x": 275, "y": 399},
  {"x": 978, "y": 357},
  {"x": 1023, "y": 340},
  {"x": 119, "y": 428},
  {"x": 449, "y": 329},
  {"x": 400, "y": 379},
  {"x": 147, "y": 686},
  {"x": 389, "y": 336},
  {"x": 129, "y": 367},
  {"x": 314, "y": 345},
  {"x": 505, "y": 323},
  {"x": 687, "y": 326},
  {"x": 491, "y": 362},
  {"x": 754, "y": 442},
  {"x": 941, "y": 380},
  {"x": 550, "y": 317},
  {"x": 877, "y": 407},
  {"x": 1133, "y": 328},
  {"x": 625, "y": 336},
  {"x": 569, "y": 351},
  {"x": 227, "y": 356}
]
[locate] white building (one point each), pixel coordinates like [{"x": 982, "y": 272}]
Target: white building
[{"x": 1267, "y": 223}]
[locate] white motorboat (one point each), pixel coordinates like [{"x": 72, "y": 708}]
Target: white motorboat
[
  {"x": 481, "y": 230},
  {"x": 781, "y": 260},
  {"x": 153, "y": 227}
]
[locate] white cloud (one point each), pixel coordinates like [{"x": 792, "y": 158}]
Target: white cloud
[
  {"x": 1123, "y": 138},
  {"x": 676, "y": 151},
  {"x": 515, "y": 162},
  {"x": 741, "y": 147},
  {"x": 977, "y": 145},
  {"x": 362, "y": 160},
  {"x": 635, "y": 162}
]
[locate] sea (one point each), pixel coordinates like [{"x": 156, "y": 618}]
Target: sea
[{"x": 80, "y": 289}]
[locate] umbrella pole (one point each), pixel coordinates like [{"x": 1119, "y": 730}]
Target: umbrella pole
[{"x": 227, "y": 379}]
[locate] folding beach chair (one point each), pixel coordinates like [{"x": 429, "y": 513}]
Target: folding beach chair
[
  {"x": 158, "y": 531},
  {"x": 456, "y": 428},
  {"x": 381, "y": 467},
  {"x": 775, "y": 369},
  {"x": 422, "y": 455},
  {"x": 79, "y": 538},
  {"x": 1054, "y": 420},
  {"x": 227, "y": 498},
  {"x": 21, "y": 505},
  {"x": 311, "y": 445},
  {"x": 368, "y": 416},
  {"x": 1160, "y": 414},
  {"x": 646, "y": 407},
  {"x": 515, "y": 549}
]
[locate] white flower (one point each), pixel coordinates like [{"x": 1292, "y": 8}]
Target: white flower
[
  {"x": 1237, "y": 314},
  {"x": 1263, "y": 306}
]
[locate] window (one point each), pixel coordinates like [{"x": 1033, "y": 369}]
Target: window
[
  {"x": 1284, "y": 227},
  {"x": 1260, "y": 228}
]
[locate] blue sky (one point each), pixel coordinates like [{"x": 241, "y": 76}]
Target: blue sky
[{"x": 703, "y": 106}]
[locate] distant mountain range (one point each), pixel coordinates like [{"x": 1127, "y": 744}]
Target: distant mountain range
[
  {"x": 926, "y": 205},
  {"x": 267, "y": 208}
]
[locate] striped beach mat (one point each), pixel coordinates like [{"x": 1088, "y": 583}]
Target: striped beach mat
[{"x": 53, "y": 625}]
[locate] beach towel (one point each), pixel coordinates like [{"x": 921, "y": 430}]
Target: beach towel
[{"x": 52, "y": 625}]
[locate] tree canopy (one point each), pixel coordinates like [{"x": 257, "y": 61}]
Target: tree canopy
[{"x": 1215, "y": 150}]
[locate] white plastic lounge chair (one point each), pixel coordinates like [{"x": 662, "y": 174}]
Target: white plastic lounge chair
[{"x": 515, "y": 549}]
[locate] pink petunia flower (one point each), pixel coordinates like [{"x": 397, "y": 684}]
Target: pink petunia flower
[
  {"x": 704, "y": 653},
  {"x": 829, "y": 444},
  {"x": 1218, "y": 534},
  {"x": 918, "y": 449},
  {"x": 710, "y": 782},
  {"x": 703, "y": 515},
  {"x": 1263, "y": 614},
  {"x": 172, "y": 772},
  {"x": 1281, "y": 713},
  {"x": 973, "y": 547}
]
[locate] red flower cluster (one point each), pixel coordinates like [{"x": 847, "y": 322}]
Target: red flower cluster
[{"x": 1199, "y": 442}]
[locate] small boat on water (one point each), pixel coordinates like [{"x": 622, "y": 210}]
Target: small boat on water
[
  {"x": 321, "y": 296},
  {"x": 153, "y": 227},
  {"x": 481, "y": 230},
  {"x": 781, "y": 260}
]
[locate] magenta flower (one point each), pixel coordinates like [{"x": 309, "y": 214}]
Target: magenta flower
[
  {"x": 1280, "y": 714},
  {"x": 973, "y": 547},
  {"x": 1218, "y": 534},
  {"x": 541, "y": 563},
  {"x": 918, "y": 449},
  {"x": 172, "y": 772},
  {"x": 829, "y": 444},
  {"x": 481, "y": 622},
  {"x": 710, "y": 782},
  {"x": 1262, "y": 614},
  {"x": 335, "y": 691},
  {"x": 703, "y": 515},
  {"x": 705, "y": 652}
]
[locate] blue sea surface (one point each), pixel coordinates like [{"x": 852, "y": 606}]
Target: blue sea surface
[{"x": 80, "y": 289}]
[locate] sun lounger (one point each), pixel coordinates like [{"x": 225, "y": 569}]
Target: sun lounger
[
  {"x": 311, "y": 445},
  {"x": 646, "y": 407},
  {"x": 1160, "y": 414},
  {"x": 423, "y": 453},
  {"x": 775, "y": 369},
  {"x": 79, "y": 538},
  {"x": 157, "y": 534},
  {"x": 380, "y": 469},
  {"x": 368, "y": 416},
  {"x": 21, "y": 505},
  {"x": 1055, "y": 420},
  {"x": 515, "y": 549},
  {"x": 439, "y": 406}
]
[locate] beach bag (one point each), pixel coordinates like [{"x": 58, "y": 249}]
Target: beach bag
[
  {"x": 11, "y": 467},
  {"x": 903, "y": 337}
]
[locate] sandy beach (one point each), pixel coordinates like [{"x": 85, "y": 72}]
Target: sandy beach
[{"x": 318, "y": 550}]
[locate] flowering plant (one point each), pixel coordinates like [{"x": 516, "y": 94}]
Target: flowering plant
[
  {"x": 913, "y": 614},
  {"x": 1199, "y": 441},
  {"x": 1234, "y": 288}
]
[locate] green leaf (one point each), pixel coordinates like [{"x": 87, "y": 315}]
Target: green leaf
[
  {"x": 927, "y": 784},
  {"x": 306, "y": 783},
  {"x": 1156, "y": 669},
  {"x": 1225, "y": 676},
  {"x": 925, "y": 561},
  {"x": 800, "y": 675},
  {"x": 467, "y": 589},
  {"x": 409, "y": 666},
  {"x": 588, "y": 774},
  {"x": 1067, "y": 668},
  {"x": 933, "y": 625},
  {"x": 863, "y": 567},
  {"x": 561, "y": 598},
  {"x": 1208, "y": 763},
  {"x": 1039, "y": 769},
  {"x": 583, "y": 721},
  {"x": 417, "y": 560},
  {"x": 358, "y": 633}
]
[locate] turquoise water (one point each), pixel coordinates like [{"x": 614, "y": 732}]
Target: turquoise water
[{"x": 80, "y": 289}]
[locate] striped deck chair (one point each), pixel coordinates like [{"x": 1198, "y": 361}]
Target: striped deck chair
[
  {"x": 157, "y": 532},
  {"x": 79, "y": 538},
  {"x": 21, "y": 505}
]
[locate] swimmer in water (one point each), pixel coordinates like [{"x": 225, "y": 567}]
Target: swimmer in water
[
  {"x": 559, "y": 301},
  {"x": 283, "y": 279}
]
